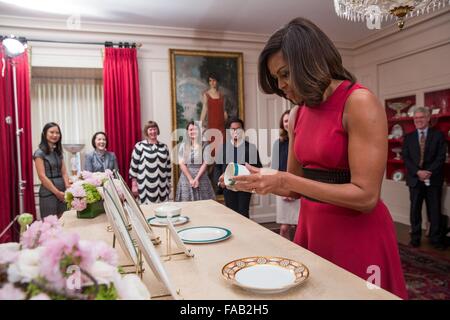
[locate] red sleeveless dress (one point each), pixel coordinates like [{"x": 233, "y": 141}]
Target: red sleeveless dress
[
  {"x": 350, "y": 239},
  {"x": 216, "y": 117}
]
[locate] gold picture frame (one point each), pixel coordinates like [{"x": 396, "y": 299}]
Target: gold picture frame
[{"x": 190, "y": 73}]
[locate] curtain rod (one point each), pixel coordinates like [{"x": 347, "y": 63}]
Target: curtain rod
[{"x": 106, "y": 43}]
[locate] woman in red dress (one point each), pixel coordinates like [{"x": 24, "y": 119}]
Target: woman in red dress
[
  {"x": 214, "y": 107},
  {"x": 337, "y": 156}
]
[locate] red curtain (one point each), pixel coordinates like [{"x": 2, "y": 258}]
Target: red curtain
[
  {"x": 9, "y": 195},
  {"x": 122, "y": 104}
]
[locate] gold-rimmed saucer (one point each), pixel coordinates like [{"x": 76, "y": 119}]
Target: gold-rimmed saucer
[{"x": 265, "y": 274}]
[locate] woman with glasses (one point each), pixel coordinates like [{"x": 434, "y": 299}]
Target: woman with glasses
[{"x": 237, "y": 150}]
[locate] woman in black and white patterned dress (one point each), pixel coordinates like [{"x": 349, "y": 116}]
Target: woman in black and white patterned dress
[{"x": 150, "y": 169}]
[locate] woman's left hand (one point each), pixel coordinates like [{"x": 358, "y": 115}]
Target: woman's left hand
[{"x": 260, "y": 180}]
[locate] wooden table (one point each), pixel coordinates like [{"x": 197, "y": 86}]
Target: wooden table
[{"x": 200, "y": 277}]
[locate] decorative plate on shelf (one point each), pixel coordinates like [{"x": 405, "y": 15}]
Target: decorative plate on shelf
[
  {"x": 397, "y": 106},
  {"x": 398, "y": 175},
  {"x": 266, "y": 275},
  {"x": 204, "y": 234},
  {"x": 397, "y": 131}
]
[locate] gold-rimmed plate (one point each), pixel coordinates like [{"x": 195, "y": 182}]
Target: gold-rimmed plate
[{"x": 265, "y": 275}]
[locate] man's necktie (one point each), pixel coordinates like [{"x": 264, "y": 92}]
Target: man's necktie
[{"x": 422, "y": 147}]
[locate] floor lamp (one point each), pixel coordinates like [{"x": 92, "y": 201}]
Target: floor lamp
[{"x": 14, "y": 48}]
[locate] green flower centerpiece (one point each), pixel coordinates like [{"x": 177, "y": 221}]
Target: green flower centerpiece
[{"x": 84, "y": 196}]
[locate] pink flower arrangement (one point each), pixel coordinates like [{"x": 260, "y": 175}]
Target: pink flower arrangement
[
  {"x": 60, "y": 254},
  {"x": 79, "y": 204},
  {"x": 87, "y": 189},
  {"x": 40, "y": 232},
  {"x": 78, "y": 190},
  {"x": 51, "y": 264}
]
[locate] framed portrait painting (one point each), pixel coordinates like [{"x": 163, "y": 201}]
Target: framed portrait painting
[
  {"x": 193, "y": 76},
  {"x": 207, "y": 88}
]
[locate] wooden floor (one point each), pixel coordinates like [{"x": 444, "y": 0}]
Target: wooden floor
[{"x": 402, "y": 236}]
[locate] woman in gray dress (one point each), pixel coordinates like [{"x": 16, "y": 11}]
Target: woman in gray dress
[
  {"x": 52, "y": 171},
  {"x": 193, "y": 159},
  {"x": 99, "y": 160}
]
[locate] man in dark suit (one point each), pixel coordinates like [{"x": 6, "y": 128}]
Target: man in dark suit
[
  {"x": 235, "y": 149},
  {"x": 424, "y": 153}
]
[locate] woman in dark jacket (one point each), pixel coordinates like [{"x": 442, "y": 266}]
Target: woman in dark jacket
[{"x": 100, "y": 159}]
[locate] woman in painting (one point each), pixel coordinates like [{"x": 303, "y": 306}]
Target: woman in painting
[{"x": 213, "y": 110}]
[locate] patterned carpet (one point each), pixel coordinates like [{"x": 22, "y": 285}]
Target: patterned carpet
[{"x": 427, "y": 276}]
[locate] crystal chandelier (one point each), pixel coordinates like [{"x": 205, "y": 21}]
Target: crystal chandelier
[{"x": 379, "y": 10}]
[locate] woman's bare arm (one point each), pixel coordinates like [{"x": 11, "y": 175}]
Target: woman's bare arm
[
  {"x": 204, "y": 108},
  {"x": 185, "y": 170},
  {"x": 65, "y": 175},
  {"x": 365, "y": 121}
]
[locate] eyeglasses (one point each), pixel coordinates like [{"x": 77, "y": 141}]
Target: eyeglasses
[{"x": 235, "y": 129}]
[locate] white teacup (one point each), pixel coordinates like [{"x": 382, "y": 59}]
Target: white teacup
[
  {"x": 232, "y": 170},
  {"x": 166, "y": 211}
]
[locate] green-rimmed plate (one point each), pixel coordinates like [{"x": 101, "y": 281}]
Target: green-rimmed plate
[{"x": 204, "y": 234}]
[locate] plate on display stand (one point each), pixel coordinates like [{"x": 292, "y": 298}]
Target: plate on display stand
[
  {"x": 396, "y": 131},
  {"x": 204, "y": 234},
  {"x": 155, "y": 221}
]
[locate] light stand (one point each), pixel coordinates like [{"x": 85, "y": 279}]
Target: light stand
[{"x": 14, "y": 48}]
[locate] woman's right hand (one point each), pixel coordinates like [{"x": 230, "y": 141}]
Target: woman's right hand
[
  {"x": 221, "y": 181},
  {"x": 134, "y": 190},
  {"x": 60, "y": 196}
]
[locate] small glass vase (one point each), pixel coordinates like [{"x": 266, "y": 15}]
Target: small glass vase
[{"x": 92, "y": 210}]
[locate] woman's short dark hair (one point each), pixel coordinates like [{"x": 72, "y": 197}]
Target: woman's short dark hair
[
  {"x": 214, "y": 76},
  {"x": 150, "y": 124},
  {"x": 44, "y": 146},
  {"x": 95, "y": 137},
  {"x": 233, "y": 120},
  {"x": 283, "y": 133},
  {"x": 311, "y": 56}
]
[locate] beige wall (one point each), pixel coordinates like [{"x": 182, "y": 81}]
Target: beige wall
[{"x": 261, "y": 111}]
